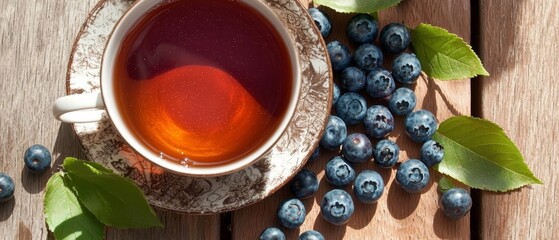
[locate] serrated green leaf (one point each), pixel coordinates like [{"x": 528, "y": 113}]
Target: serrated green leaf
[
  {"x": 444, "y": 55},
  {"x": 480, "y": 155},
  {"x": 445, "y": 184},
  {"x": 357, "y": 6},
  {"x": 64, "y": 214},
  {"x": 114, "y": 200}
]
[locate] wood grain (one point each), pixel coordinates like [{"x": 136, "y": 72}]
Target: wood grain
[
  {"x": 518, "y": 47},
  {"x": 36, "y": 39},
  {"x": 397, "y": 214},
  {"x": 35, "y": 44}
]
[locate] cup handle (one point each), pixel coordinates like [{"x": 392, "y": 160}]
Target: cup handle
[{"x": 79, "y": 108}]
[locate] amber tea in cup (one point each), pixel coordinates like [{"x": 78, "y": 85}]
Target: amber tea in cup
[{"x": 203, "y": 81}]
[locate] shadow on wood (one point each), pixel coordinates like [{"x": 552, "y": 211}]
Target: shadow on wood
[
  {"x": 6, "y": 209},
  {"x": 33, "y": 183},
  {"x": 66, "y": 145},
  {"x": 329, "y": 230},
  {"x": 401, "y": 204},
  {"x": 23, "y": 232}
]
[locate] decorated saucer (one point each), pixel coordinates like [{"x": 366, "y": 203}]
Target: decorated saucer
[{"x": 185, "y": 194}]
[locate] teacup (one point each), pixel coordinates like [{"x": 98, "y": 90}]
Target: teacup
[{"x": 198, "y": 87}]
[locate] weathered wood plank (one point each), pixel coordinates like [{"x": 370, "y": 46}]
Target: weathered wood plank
[
  {"x": 397, "y": 214},
  {"x": 36, "y": 39},
  {"x": 35, "y": 44},
  {"x": 519, "y": 46}
]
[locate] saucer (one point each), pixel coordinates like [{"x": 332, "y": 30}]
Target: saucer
[{"x": 170, "y": 191}]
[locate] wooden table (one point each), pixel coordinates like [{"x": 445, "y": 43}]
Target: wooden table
[{"x": 516, "y": 40}]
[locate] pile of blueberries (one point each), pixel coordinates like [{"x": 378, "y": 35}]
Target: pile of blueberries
[
  {"x": 360, "y": 74},
  {"x": 37, "y": 159}
]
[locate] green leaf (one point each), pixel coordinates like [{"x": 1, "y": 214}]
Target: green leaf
[
  {"x": 357, "y": 6},
  {"x": 114, "y": 200},
  {"x": 65, "y": 216},
  {"x": 375, "y": 15},
  {"x": 445, "y": 184},
  {"x": 480, "y": 155},
  {"x": 95, "y": 165},
  {"x": 444, "y": 55}
]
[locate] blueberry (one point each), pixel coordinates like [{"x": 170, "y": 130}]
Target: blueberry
[
  {"x": 321, "y": 20},
  {"x": 432, "y": 153},
  {"x": 6, "y": 187},
  {"x": 362, "y": 28},
  {"x": 311, "y": 235},
  {"x": 353, "y": 79},
  {"x": 336, "y": 94},
  {"x": 357, "y": 148},
  {"x": 340, "y": 57},
  {"x": 406, "y": 68},
  {"x": 368, "y": 187},
  {"x": 272, "y": 233},
  {"x": 315, "y": 155},
  {"x": 368, "y": 57},
  {"x": 351, "y": 108},
  {"x": 394, "y": 37},
  {"x": 402, "y": 101},
  {"x": 291, "y": 213},
  {"x": 412, "y": 175},
  {"x": 37, "y": 158},
  {"x": 337, "y": 206},
  {"x": 455, "y": 203},
  {"x": 334, "y": 134},
  {"x": 378, "y": 121},
  {"x": 386, "y": 153},
  {"x": 421, "y": 125},
  {"x": 380, "y": 83},
  {"x": 304, "y": 184},
  {"x": 339, "y": 172}
]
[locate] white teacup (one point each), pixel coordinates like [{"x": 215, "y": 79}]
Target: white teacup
[{"x": 91, "y": 107}]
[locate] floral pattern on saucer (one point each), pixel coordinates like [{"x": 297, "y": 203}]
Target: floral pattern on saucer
[{"x": 170, "y": 191}]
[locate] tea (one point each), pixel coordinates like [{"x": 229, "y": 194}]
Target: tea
[{"x": 207, "y": 81}]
